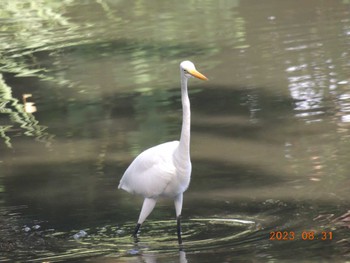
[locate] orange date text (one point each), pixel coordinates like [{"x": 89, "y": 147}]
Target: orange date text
[{"x": 305, "y": 235}]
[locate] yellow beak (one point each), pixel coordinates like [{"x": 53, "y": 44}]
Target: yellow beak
[{"x": 197, "y": 74}]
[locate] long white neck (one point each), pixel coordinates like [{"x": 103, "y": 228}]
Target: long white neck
[{"x": 184, "y": 145}]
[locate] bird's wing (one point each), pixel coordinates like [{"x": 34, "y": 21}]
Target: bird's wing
[{"x": 151, "y": 171}]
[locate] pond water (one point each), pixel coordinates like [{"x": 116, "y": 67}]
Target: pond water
[{"x": 85, "y": 86}]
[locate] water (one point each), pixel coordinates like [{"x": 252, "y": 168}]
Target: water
[{"x": 87, "y": 85}]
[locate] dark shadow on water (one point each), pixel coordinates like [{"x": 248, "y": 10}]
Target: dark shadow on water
[
  {"x": 211, "y": 175},
  {"x": 65, "y": 192}
]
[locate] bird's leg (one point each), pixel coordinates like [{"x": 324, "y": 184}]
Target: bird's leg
[
  {"x": 136, "y": 230},
  {"x": 179, "y": 238},
  {"x": 178, "y": 208},
  {"x": 147, "y": 207}
]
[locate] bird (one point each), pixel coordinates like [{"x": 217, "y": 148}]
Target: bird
[{"x": 164, "y": 170}]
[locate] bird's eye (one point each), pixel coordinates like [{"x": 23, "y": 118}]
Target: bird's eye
[{"x": 185, "y": 71}]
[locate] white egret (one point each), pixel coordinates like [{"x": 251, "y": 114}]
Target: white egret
[{"x": 164, "y": 170}]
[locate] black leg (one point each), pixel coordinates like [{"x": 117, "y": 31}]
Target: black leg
[
  {"x": 136, "y": 230},
  {"x": 179, "y": 238}
]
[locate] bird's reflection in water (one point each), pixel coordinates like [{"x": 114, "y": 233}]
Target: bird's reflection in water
[
  {"x": 152, "y": 258},
  {"x": 182, "y": 256},
  {"x": 149, "y": 257}
]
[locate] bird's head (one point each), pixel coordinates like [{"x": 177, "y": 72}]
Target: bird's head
[{"x": 189, "y": 70}]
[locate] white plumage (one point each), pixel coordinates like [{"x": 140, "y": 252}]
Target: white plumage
[{"x": 153, "y": 173}]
